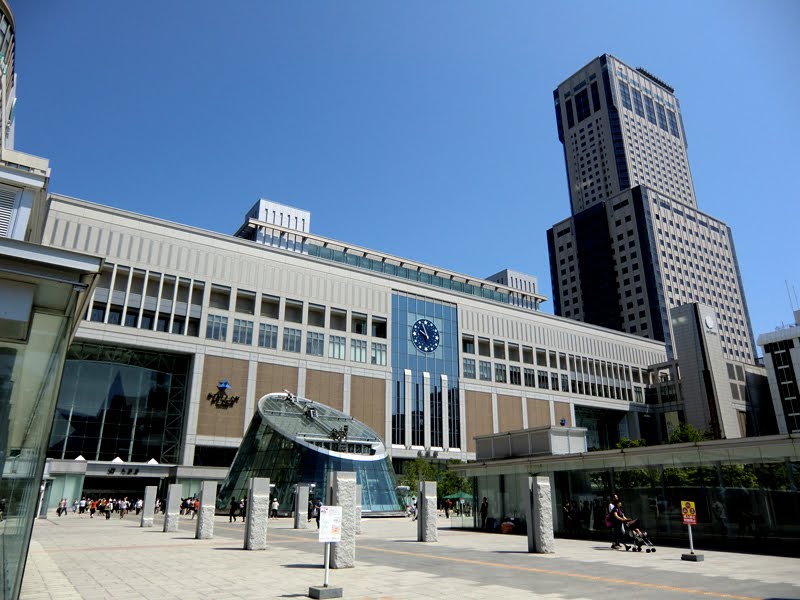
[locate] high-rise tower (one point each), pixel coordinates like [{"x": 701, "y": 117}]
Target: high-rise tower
[
  {"x": 636, "y": 245},
  {"x": 621, "y": 127}
]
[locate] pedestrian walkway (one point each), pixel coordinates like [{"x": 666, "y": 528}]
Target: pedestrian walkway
[{"x": 73, "y": 558}]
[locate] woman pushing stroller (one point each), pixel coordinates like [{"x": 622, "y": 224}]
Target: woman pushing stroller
[{"x": 618, "y": 521}]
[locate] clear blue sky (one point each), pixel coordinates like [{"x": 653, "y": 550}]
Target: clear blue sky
[{"x": 422, "y": 129}]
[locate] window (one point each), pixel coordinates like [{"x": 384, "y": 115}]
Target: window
[
  {"x": 316, "y": 315},
  {"x": 582, "y": 105},
  {"x": 637, "y": 103},
  {"x": 595, "y": 97},
  {"x": 267, "y": 336},
  {"x": 378, "y": 356},
  {"x": 315, "y": 343},
  {"x": 500, "y": 373},
  {"x": 485, "y": 370},
  {"x": 543, "y": 380},
  {"x": 379, "y": 327},
  {"x": 292, "y": 339},
  {"x": 358, "y": 350},
  {"x": 530, "y": 377},
  {"x": 625, "y": 95},
  {"x": 246, "y": 302},
  {"x": 220, "y": 297},
  {"x": 293, "y": 311},
  {"x": 242, "y": 332},
  {"x": 336, "y": 346},
  {"x": 651, "y": 111},
  {"x": 468, "y": 345},
  {"x": 338, "y": 320},
  {"x": 662, "y": 116},
  {"x": 359, "y": 325},
  {"x": 673, "y": 124},
  {"x": 554, "y": 381},
  {"x": 217, "y": 327},
  {"x": 515, "y": 375},
  {"x": 270, "y": 306},
  {"x": 469, "y": 368}
]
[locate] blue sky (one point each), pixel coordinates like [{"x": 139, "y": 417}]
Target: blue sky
[{"x": 421, "y": 129}]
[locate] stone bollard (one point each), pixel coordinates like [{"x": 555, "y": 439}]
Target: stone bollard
[
  {"x": 172, "y": 514},
  {"x": 539, "y": 514},
  {"x": 255, "y": 526},
  {"x": 341, "y": 488},
  {"x": 301, "y": 506},
  {"x": 205, "y": 518},
  {"x": 359, "y": 493},
  {"x": 427, "y": 513},
  {"x": 149, "y": 506}
]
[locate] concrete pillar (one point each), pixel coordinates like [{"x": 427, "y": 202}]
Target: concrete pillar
[
  {"x": 173, "y": 513},
  {"x": 359, "y": 493},
  {"x": 149, "y": 506},
  {"x": 341, "y": 491},
  {"x": 427, "y": 514},
  {"x": 301, "y": 506},
  {"x": 255, "y": 526},
  {"x": 205, "y": 518},
  {"x": 539, "y": 515}
]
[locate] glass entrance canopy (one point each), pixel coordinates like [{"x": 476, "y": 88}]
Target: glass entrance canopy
[{"x": 294, "y": 441}]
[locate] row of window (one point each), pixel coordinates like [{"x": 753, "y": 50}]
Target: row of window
[
  {"x": 548, "y": 380},
  {"x": 292, "y": 341}
]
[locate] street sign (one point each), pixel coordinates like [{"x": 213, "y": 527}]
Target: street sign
[
  {"x": 688, "y": 512},
  {"x": 330, "y": 523}
]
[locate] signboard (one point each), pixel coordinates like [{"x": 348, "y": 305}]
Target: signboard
[
  {"x": 330, "y": 523},
  {"x": 689, "y": 513}
]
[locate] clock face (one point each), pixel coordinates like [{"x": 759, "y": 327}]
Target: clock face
[{"x": 425, "y": 335}]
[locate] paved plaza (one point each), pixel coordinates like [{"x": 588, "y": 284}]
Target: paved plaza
[{"x": 72, "y": 557}]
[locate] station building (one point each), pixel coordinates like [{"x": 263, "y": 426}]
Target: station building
[{"x": 426, "y": 357}]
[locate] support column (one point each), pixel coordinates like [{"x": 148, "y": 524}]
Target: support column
[
  {"x": 149, "y": 506},
  {"x": 341, "y": 491},
  {"x": 205, "y": 518},
  {"x": 539, "y": 515},
  {"x": 255, "y": 525},
  {"x": 427, "y": 513},
  {"x": 408, "y": 400},
  {"x": 301, "y": 506},
  {"x": 445, "y": 413},
  {"x": 426, "y": 410},
  {"x": 172, "y": 514}
]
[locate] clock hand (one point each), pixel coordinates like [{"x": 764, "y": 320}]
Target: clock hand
[{"x": 424, "y": 331}]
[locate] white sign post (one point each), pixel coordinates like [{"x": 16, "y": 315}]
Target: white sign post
[{"x": 330, "y": 531}]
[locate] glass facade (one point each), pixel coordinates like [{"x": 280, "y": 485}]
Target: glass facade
[
  {"x": 742, "y": 504},
  {"x": 292, "y": 440},
  {"x": 444, "y": 360},
  {"x": 29, "y": 374},
  {"x": 120, "y": 402}
]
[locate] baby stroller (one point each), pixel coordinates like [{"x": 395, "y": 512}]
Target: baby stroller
[{"x": 638, "y": 537}]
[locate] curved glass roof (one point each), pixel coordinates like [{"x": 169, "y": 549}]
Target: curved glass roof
[{"x": 311, "y": 423}]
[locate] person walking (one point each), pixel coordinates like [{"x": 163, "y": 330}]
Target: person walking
[
  {"x": 610, "y": 522},
  {"x": 234, "y": 505},
  {"x": 317, "y": 510},
  {"x": 619, "y": 521},
  {"x": 484, "y": 512},
  {"x": 275, "y": 505}
]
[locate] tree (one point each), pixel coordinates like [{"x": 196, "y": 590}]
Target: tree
[
  {"x": 447, "y": 481},
  {"x": 687, "y": 433}
]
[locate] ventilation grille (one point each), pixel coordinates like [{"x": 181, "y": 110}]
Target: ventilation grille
[{"x": 8, "y": 197}]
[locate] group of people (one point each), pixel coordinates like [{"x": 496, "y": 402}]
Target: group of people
[
  {"x": 100, "y": 506},
  {"x": 457, "y": 508}
]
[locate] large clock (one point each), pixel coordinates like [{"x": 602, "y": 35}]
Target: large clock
[{"x": 425, "y": 335}]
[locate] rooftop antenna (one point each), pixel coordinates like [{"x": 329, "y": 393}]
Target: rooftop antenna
[{"x": 789, "y": 293}]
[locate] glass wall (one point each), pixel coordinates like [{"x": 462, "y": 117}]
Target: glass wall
[
  {"x": 406, "y": 311},
  {"x": 120, "y": 402},
  {"x": 29, "y": 375},
  {"x": 753, "y": 506}
]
